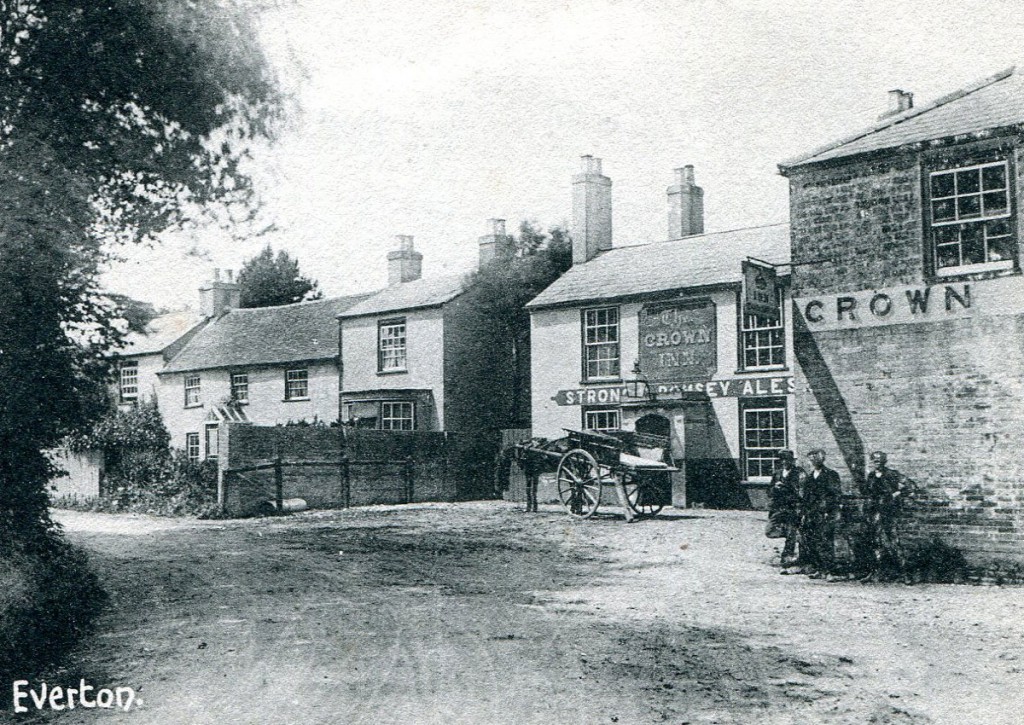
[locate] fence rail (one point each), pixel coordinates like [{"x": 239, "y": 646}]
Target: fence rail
[{"x": 344, "y": 464}]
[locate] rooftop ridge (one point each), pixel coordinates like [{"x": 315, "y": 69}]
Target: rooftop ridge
[
  {"x": 693, "y": 237},
  {"x": 303, "y": 303},
  {"x": 895, "y": 119}
]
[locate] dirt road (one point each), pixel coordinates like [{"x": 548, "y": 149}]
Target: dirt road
[{"x": 479, "y": 613}]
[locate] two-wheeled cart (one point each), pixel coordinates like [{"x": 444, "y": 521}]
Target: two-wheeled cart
[{"x": 588, "y": 462}]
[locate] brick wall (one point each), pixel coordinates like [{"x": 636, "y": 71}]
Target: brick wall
[
  {"x": 944, "y": 397},
  {"x": 863, "y": 220}
]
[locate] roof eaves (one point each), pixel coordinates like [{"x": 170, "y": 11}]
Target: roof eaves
[
  {"x": 810, "y": 157},
  {"x": 248, "y": 365},
  {"x": 396, "y": 310},
  {"x": 652, "y": 295}
]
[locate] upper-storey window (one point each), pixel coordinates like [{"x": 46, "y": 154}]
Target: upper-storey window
[
  {"x": 971, "y": 218},
  {"x": 240, "y": 387},
  {"x": 193, "y": 387},
  {"x": 296, "y": 384},
  {"x": 129, "y": 380},
  {"x": 764, "y": 341},
  {"x": 601, "y": 343},
  {"x": 391, "y": 346}
]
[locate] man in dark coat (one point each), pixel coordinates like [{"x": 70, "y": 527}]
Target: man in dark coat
[
  {"x": 885, "y": 492},
  {"x": 784, "y": 504},
  {"x": 822, "y": 496}
]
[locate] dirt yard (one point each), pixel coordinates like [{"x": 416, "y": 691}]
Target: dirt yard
[{"x": 480, "y": 613}]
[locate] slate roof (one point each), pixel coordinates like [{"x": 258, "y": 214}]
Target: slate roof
[
  {"x": 994, "y": 102},
  {"x": 697, "y": 261},
  {"x": 420, "y": 293},
  {"x": 161, "y": 333},
  {"x": 266, "y": 336}
]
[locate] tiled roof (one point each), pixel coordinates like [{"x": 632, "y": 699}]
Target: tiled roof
[
  {"x": 697, "y": 261},
  {"x": 161, "y": 333},
  {"x": 266, "y": 336},
  {"x": 995, "y": 102},
  {"x": 429, "y": 292}
]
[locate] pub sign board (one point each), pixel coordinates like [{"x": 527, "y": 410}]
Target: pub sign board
[
  {"x": 760, "y": 293},
  {"x": 757, "y": 387},
  {"x": 678, "y": 341}
]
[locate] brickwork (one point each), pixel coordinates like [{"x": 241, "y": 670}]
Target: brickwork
[
  {"x": 856, "y": 225},
  {"x": 942, "y": 396}
]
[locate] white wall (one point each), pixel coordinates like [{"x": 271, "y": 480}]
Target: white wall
[
  {"x": 556, "y": 363},
  {"x": 424, "y": 331},
  {"x": 266, "y": 405}
]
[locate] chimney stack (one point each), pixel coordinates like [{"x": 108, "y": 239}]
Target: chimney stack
[
  {"x": 899, "y": 101},
  {"x": 217, "y": 297},
  {"x": 496, "y": 245},
  {"x": 591, "y": 211},
  {"x": 685, "y": 206},
  {"x": 405, "y": 264}
]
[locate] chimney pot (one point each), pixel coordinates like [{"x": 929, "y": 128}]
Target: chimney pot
[
  {"x": 405, "y": 264},
  {"x": 495, "y": 245},
  {"x": 685, "y": 205},
  {"x": 591, "y": 211},
  {"x": 899, "y": 101},
  {"x": 216, "y": 297}
]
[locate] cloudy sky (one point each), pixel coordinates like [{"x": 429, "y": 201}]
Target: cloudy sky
[{"x": 429, "y": 119}]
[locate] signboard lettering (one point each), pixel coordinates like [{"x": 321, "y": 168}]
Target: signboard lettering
[
  {"x": 736, "y": 387},
  {"x": 677, "y": 341},
  {"x": 887, "y": 307}
]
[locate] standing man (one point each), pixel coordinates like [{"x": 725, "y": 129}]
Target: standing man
[
  {"x": 784, "y": 503},
  {"x": 885, "y": 491},
  {"x": 822, "y": 496}
]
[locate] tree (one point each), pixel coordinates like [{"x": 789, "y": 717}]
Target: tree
[
  {"x": 503, "y": 288},
  {"x": 267, "y": 280},
  {"x": 118, "y": 120}
]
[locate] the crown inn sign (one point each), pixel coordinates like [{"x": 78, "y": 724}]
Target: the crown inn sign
[{"x": 678, "y": 341}]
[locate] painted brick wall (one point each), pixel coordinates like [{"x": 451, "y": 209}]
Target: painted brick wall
[
  {"x": 944, "y": 398},
  {"x": 863, "y": 220}
]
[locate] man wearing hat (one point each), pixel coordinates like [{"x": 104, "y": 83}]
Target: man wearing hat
[
  {"x": 885, "y": 491},
  {"x": 822, "y": 496},
  {"x": 784, "y": 504}
]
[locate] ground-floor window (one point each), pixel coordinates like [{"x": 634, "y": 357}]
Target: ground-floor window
[
  {"x": 379, "y": 414},
  {"x": 192, "y": 446},
  {"x": 396, "y": 415},
  {"x": 763, "y": 434},
  {"x": 602, "y": 419}
]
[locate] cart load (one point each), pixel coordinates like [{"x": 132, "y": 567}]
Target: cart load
[{"x": 586, "y": 462}]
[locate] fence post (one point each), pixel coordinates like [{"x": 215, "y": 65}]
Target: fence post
[
  {"x": 408, "y": 479},
  {"x": 346, "y": 490},
  {"x": 278, "y": 483}
]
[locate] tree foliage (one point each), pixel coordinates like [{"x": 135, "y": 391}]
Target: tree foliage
[
  {"x": 268, "y": 279},
  {"x": 503, "y": 287},
  {"x": 118, "y": 119}
]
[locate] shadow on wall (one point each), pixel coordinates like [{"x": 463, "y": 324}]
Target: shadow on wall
[
  {"x": 830, "y": 400},
  {"x": 712, "y": 474}
]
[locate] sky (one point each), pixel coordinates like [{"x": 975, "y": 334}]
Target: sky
[{"x": 430, "y": 119}]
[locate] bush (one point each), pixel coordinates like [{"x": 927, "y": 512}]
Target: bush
[
  {"x": 49, "y": 597},
  {"x": 143, "y": 474}
]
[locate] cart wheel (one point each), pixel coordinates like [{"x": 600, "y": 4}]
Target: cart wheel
[
  {"x": 579, "y": 483},
  {"x": 642, "y": 497}
]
